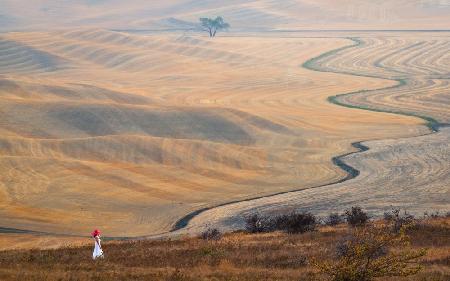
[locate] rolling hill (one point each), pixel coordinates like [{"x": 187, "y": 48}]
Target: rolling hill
[{"x": 139, "y": 130}]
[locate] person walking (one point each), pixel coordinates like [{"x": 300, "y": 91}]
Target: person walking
[{"x": 98, "y": 252}]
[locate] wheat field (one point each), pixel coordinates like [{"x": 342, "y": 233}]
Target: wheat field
[
  {"x": 130, "y": 132},
  {"x": 409, "y": 173},
  {"x": 420, "y": 65}
]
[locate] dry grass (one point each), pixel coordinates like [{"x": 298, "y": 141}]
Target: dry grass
[{"x": 237, "y": 256}]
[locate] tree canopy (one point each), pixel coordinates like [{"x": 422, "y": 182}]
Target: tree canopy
[{"x": 213, "y": 25}]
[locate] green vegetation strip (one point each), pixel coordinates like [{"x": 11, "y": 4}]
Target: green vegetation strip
[{"x": 314, "y": 65}]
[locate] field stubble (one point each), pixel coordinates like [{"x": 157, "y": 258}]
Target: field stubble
[
  {"x": 410, "y": 173},
  {"x": 149, "y": 128}
]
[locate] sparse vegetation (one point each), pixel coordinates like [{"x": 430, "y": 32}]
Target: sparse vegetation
[
  {"x": 367, "y": 254},
  {"x": 398, "y": 220},
  {"x": 334, "y": 219},
  {"x": 258, "y": 224},
  {"x": 356, "y": 216},
  {"x": 211, "y": 234},
  {"x": 243, "y": 256}
]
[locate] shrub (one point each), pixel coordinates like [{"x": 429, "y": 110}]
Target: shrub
[
  {"x": 397, "y": 220},
  {"x": 211, "y": 234},
  {"x": 296, "y": 222},
  {"x": 257, "y": 224},
  {"x": 334, "y": 219},
  {"x": 366, "y": 254},
  {"x": 290, "y": 223},
  {"x": 356, "y": 216}
]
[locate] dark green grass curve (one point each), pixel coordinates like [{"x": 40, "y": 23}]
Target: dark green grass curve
[{"x": 312, "y": 64}]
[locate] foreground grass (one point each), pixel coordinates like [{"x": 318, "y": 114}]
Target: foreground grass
[{"x": 237, "y": 256}]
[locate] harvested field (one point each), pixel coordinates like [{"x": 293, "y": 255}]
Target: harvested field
[
  {"x": 258, "y": 154},
  {"x": 148, "y": 128},
  {"x": 411, "y": 173},
  {"x": 392, "y": 174},
  {"x": 419, "y": 64}
]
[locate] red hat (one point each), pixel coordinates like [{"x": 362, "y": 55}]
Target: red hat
[{"x": 95, "y": 233}]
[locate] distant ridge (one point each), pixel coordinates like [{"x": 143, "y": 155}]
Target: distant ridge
[{"x": 242, "y": 14}]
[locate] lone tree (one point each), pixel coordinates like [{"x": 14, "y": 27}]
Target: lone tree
[{"x": 213, "y": 25}]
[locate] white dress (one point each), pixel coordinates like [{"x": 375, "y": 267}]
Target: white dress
[{"x": 98, "y": 252}]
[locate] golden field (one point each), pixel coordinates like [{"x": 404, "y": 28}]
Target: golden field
[
  {"x": 123, "y": 116},
  {"x": 128, "y": 133},
  {"x": 411, "y": 173},
  {"x": 419, "y": 64}
]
